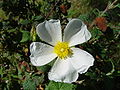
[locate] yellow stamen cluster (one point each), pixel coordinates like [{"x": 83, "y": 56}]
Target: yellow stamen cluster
[{"x": 63, "y": 50}]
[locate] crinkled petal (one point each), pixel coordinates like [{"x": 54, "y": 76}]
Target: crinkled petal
[
  {"x": 63, "y": 71},
  {"x": 81, "y": 60},
  {"x": 76, "y": 32},
  {"x": 50, "y": 31},
  {"x": 41, "y": 53}
]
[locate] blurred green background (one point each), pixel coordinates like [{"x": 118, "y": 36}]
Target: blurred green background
[{"x": 18, "y": 19}]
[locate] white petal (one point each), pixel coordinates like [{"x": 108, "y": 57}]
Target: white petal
[
  {"x": 50, "y": 31},
  {"x": 41, "y": 54},
  {"x": 63, "y": 71},
  {"x": 81, "y": 60},
  {"x": 76, "y": 32}
]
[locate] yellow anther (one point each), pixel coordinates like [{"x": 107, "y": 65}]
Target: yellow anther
[{"x": 62, "y": 50}]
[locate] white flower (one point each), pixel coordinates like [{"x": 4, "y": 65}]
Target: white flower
[{"x": 70, "y": 60}]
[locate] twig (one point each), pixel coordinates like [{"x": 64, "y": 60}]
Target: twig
[
  {"x": 79, "y": 82},
  {"x": 109, "y": 6},
  {"x": 51, "y": 10}
]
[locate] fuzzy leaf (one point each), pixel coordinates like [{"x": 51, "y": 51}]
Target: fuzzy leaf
[
  {"x": 29, "y": 84},
  {"x": 59, "y": 86}
]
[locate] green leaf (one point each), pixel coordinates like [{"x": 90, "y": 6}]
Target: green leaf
[
  {"x": 96, "y": 33},
  {"x": 44, "y": 68},
  {"x": 92, "y": 75},
  {"x": 47, "y": 67},
  {"x": 118, "y": 5},
  {"x": 59, "y": 86},
  {"x": 24, "y": 22},
  {"x": 38, "y": 17},
  {"x": 25, "y": 36},
  {"x": 38, "y": 79},
  {"x": 29, "y": 84}
]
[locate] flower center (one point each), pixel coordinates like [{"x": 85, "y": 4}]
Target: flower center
[{"x": 62, "y": 49}]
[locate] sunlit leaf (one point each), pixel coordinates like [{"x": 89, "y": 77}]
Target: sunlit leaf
[{"x": 25, "y": 36}]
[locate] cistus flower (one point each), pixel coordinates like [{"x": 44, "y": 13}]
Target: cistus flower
[{"x": 70, "y": 60}]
